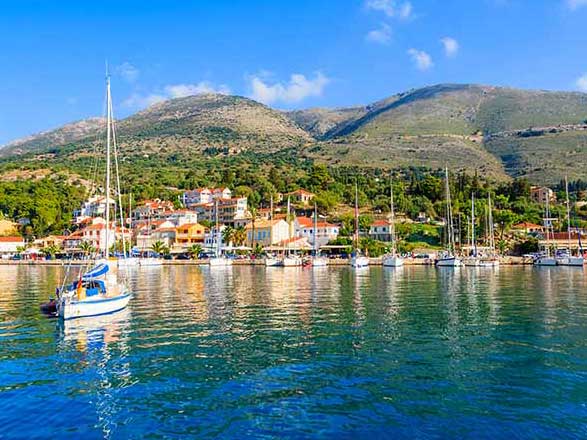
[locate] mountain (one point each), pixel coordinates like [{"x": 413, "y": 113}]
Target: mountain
[
  {"x": 495, "y": 131},
  {"x": 185, "y": 124},
  {"x": 63, "y": 135}
]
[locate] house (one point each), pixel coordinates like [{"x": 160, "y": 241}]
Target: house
[
  {"x": 294, "y": 243},
  {"x": 267, "y": 232},
  {"x": 540, "y": 194},
  {"x": 188, "y": 234},
  {"x": 49, "y": 241},
  {"x": 95, "y": 206},
  {"x": 8, "y": 227},
  {"x": 528, "y": 228},
  {"x": 11, "y": 245},
  {"x": 204, "y": 195},
  {"x": 182, "y": 217},
  {"x": 380, "y": 230},
  {"x": 211, "y": 237},
  {"x": 300, "y": 196},
  {"x": 164, "y": 235},
  {"x": 152, "y": 209},
  {"x": 72, "y": 242},
  {"x": 325, "y": 232},
  {"x": 144, "y": 232},
  {"x": 95, "y": 234},
  {"x": 231, "y": 212}
]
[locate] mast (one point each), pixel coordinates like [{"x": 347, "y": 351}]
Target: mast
[
  {"x": 473, "y": 242},
  {"x": 568, "y": 214},
  {"x": 108, "y": 138},
  {"x": 217, "y": 229},
  {"x": 392, "y": 211},
  {"x": 547, "y": 224},
  {"x": 356, "y": 216},
  {"x": 490, "y": 225},
  {"x": 449, "y": 226},
  {"x": 315, "y": 230}
]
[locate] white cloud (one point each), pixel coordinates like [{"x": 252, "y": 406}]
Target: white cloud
[
  {"x": 181, "y": 90},
  {"x": 139, "y": 101},
  {"x": 582, "y": 83},
  {"x": 391, "y": 8},
  {"x": 381, "y": 35},
  {"x": 297, "y": 89},
  {"x": 451, "y": 46},
  {"x": 128, "y": 72},
  {"x": 422, "y": 60},
  {"x": 576, "y": 4}
]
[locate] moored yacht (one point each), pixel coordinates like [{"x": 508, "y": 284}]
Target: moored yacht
[{"x": 392, "y": 259}]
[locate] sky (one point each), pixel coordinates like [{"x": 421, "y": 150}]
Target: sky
[{"x": 286, "y": 54}]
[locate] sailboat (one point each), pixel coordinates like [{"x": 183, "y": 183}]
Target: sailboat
[
  {"x": 317, "y": 260},
  {"x": 567, "y": 258},
  {"x": 218, "y": 259},
  {"x": 492, "y": 259},
  {"x": 290, "y": 260},
  {"x": 392, "y": 259},
  {"x": 448, "y": 257},
  {"x": 545, "y": 258},
  {"x": 357, "y": 260},
  {"x": 473, "y": 259},
  {"x": 98, "y": 291}
]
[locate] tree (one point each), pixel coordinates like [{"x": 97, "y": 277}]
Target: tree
[
  {"x": 160, "y": 248},
  {"x": 228, "y": 235},
  {"x": 87, "y": 248},
  {"x": 194, "y": 251},
  {"x": 51, "y": 250},
  {"x": 239, "y": 236},
  {"x": 504, "y": 219}
]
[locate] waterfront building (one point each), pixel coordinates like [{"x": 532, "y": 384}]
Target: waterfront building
[
  {"x": 267, "y": 232},
  {"x": 72, "y": 242},
  {"x": 152, "y": 209},
  {"x": 10, "y": 245},
  {"x": 210, "y": 238},
  {"x": 380, "y": 230},
  {"x": 95, "y": 206},
  {"x": 188, "y": 234},
  {"x": 231, "y": 212},
  {"x": 49, "y": 241},
  {"x": 182, "y": 217},
  {"x": 325, "y": 232}
]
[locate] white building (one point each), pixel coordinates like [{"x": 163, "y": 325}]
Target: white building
[
  {"x": 325, "y": 232},
  {"x": 182, "y": 217},
  {"x": 95, "y": 206},
  {"x": 204, "y": 195},
  {"x": 10, "y": 245},
  {"x": 210, "y": 238}
]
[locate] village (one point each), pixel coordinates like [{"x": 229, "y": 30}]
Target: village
[{"x": 206, "y": 219}]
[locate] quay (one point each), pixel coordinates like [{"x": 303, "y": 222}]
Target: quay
[{"x": 505, "y": 261}]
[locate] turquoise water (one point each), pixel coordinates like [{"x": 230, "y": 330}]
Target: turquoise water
[{"x": 249, "y": 352}]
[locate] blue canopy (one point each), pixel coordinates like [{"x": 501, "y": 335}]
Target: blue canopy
[{"x": 97, "y": 271}]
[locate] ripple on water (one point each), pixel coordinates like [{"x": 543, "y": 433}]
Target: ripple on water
[{"x": 250, "y": 352}]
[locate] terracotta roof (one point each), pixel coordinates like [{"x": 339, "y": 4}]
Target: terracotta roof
[
  {"x": 262, "y": 223},
  {"x": 304, "y": 221},
  {"x": 526, "y": 225},
  {"x": 380, "y": 223},
  {"x": 11, "y": 240},
  {"x": 164, "y": 230}
]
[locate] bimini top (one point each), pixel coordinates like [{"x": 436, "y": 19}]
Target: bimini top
[{"x": 97, "y": 271}]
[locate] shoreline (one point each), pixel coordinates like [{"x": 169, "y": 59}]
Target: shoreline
[{"x": 505, "y": 261}]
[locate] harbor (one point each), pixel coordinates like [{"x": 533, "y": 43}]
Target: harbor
[{"x": 216, "y": 352}]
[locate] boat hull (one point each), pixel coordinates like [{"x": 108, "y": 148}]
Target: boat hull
[
  {"x": 150, "y": 262},
  {"x": 571, "y": 261},
  {"x": 273, "y": 262},
  {"x": 545, "y": 261},
  {"x": 359, "y": 262},
  {"x": 319, "y": 262},
  {"x": 127, "y": 262},
  {"x": 489, "y": 262},
  {"x": 93, "y": 306},
  {"x": 472, "y": 262},
  {"x": 392, "y": 261},
  {"x": 292, "y": 262},
  {"x": 219, "y": 262},
  {"x": 449, "y": 262}
]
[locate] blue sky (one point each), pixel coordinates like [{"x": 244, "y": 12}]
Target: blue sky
[{"x": 288, "y": 54}]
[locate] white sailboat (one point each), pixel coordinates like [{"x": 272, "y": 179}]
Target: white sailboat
[
  {"x": 473, "y": 260},
  {"x": 98, "y": 291},
  {"x": 317, "y": 259},
  {"x": 448, "y": 257},
  {"x": 289, "y": 259},
  {"x": 567, "y": 258},
  {"x": 392, "y": 259},
  {"x": 218, "y": 260},
  {"x": 545, "y": 258},
  {"x": 357, "y": 259},
  {"x": 491, "y": 260}
]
